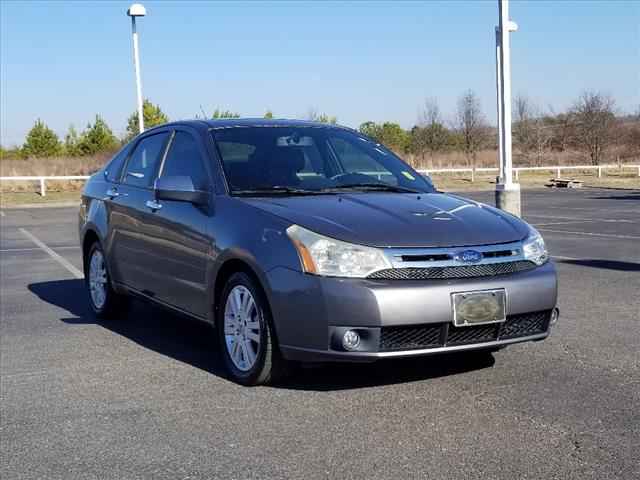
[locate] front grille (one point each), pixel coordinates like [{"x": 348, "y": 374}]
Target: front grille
[
  {"x": 408, "y": 338},
  {"x": 436, "y": 335},
  {"x": 526, "y": 324},
  {"x": 472, "y": 334},
  {"x": 464, "y": 271}
]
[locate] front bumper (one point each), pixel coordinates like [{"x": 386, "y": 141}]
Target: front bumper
[{"x": 311, "y": 313}]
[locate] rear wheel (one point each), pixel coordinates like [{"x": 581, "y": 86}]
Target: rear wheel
[
  {"x": 245, "y": 333},
  {"x": 104, "y": 301}
]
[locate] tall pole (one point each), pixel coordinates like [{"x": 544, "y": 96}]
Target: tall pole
[
  {"x": 136, "y": 62},
  {"x": 498, "y": 103},
  {"x": 507, "y": 192}
]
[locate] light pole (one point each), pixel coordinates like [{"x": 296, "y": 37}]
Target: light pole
[
  {"x": 137, "y": 10},
  {"x": 507, "y": 192}
]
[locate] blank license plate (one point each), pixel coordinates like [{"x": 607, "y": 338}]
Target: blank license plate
[{"x": 480, "y": 307}]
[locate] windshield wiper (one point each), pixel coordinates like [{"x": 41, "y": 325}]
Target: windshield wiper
[
  {"x": 276, "y": 189},
  {"x": 373, "y": 186}
]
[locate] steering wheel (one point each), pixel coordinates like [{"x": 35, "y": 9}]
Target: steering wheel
[{"x": 348, "y": 178}]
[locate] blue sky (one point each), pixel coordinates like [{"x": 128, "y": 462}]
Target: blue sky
[{"x": 65, "y": 61}]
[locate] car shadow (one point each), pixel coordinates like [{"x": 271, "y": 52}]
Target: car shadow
[
  {"x": 192, "y": 342},
  {"x": 604, "y": 264},
  {"x": 634, "y": 195}
]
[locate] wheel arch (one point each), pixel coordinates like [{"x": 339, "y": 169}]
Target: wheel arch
[{"x": 225, "y": 270}]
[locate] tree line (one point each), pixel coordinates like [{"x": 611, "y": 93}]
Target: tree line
[{"x": 591, "y": 126}]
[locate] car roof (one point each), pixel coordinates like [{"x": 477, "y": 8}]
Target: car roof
[{"x": 248, "y": 122}]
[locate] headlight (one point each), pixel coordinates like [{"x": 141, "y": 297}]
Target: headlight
[
  {"x": 534, "y": 248},
  {"x": 322, "y": 255}
]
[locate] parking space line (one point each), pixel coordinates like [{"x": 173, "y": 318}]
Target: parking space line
[
  {"x": 31, "y": 249},
  {"x": 61, "y": 260},
  {"x": 591, "y": 234},
  {"x": 574, "y": 219}
]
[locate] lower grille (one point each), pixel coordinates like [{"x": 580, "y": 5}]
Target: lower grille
[
  {"x": 526, "y": 324},
  {"x": 409, "y": 338},
  {"x": 464, "y": 271},
  {"x": 473, "y": 334},
  {"x": 436, "y": 335}
]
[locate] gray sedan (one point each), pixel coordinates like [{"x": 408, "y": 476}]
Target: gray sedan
[{"x": 305, "y": 242}]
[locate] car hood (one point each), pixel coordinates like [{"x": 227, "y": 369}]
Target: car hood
[{"x": 397, "y": 220}]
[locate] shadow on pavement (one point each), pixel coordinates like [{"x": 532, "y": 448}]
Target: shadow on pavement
[
  {"x": 605, "y": 264},
  {"x": 192, "y": 342},
  {"x": 630, "y": 196}
]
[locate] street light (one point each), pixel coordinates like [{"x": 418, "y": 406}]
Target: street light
[
  {"x": 137, "y": 10},
  {"x": 507, "y": 192}
]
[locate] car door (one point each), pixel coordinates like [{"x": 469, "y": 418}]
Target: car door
[
  {"x": 131, "y": 258},
  {"x": 178, "y": 230}
]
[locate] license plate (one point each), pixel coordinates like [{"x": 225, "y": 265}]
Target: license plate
[{"x": 478, "y": 308}]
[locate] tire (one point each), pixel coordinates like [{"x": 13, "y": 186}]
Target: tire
[
  {"x": 103, "y": 300},
  {"x": 245, "y": 334}
]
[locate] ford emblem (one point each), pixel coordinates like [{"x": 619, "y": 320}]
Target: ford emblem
[{"x": 468, "y": 256}]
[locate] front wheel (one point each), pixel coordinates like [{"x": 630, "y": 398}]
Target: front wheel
[{"x": 245, "y": 333}]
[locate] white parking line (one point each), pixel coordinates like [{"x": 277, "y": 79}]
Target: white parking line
[
  {"x": 590, "y": 234},
  {"x": 61, "y": 260},
  {"x": 577, "y": 219},
  {"x": 7, "y": 250}
]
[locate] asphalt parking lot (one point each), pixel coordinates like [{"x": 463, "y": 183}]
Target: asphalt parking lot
[{"x": 145, "y": 397}]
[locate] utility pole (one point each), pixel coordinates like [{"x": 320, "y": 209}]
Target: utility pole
[
  {"x": 507, "y": 192},
  {"x": 137, "y": 10}
]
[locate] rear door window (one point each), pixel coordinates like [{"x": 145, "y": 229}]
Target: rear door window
[
  {"x": 143, "y": 163},
  {"x": 185, "y": 159}
]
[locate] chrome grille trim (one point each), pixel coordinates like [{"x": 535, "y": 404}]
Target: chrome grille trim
[
  {"x": 463, "y": 271},
  {"x": 445, "y": 257}
]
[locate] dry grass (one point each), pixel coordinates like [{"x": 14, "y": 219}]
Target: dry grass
[
  {"x": 8, "y": 199},
  {"x": 627, "y": 178},
  {"x": 47, "y": 167},
  {"x": 489, "y": 158},
  {"x": 486, "y": 158}
]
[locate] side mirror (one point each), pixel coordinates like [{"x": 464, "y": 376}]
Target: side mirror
[{"x": 180, "y": 189}]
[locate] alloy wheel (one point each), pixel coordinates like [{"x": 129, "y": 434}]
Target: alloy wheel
[{"x": 242, "y": 328}]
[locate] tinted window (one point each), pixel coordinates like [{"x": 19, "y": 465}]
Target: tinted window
[
  {"x": 355, "y": 159},
  {"x": 113, "y": 168},
  {"x": 184, "y": 159},
  {"x": 143, "y": 162},
  {"x": 310, "y": 158}
]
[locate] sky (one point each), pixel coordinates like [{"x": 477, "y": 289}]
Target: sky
[{"x": 66, "y": 61}]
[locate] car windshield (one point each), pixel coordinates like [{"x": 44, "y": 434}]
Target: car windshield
[{"x": 299, "y": 160}]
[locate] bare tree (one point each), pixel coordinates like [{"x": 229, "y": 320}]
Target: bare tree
[
  {"x": 430, "y": 135},
  {"x": 471, "y": 125},
  {"x": 594, "y": 113},
  {"x": 530, "y": 133}
]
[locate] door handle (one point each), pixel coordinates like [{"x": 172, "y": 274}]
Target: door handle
[
  {"x": 113, "y": 193},
  {"x": 153, "y": 205}
]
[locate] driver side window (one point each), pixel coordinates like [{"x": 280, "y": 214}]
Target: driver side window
[
  {"x": 184, "y": 159},
  {"x": 142, "y": 165}
]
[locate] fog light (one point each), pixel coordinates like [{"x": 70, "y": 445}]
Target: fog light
[
  {"x": 554, "y": 316},
  {"x": 350, "y": 340}
]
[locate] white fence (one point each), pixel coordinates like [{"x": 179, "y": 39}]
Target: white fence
[
  {"x": 43, "y": 180},
  {"x": 557, "y": 169}
]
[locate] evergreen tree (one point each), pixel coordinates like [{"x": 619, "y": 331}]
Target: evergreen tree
[
  {"x": 41, "y": 141},
  {"x": 152, "y": 116}
]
